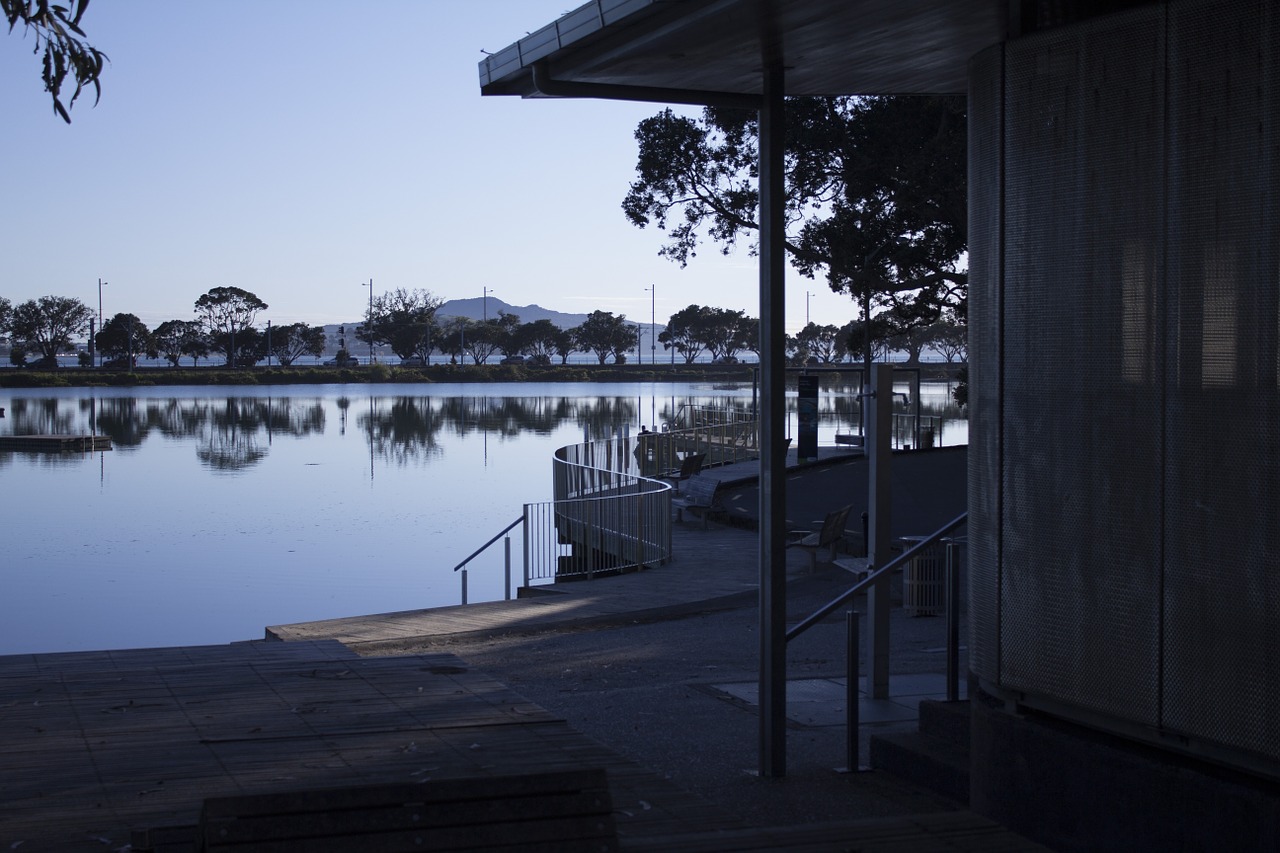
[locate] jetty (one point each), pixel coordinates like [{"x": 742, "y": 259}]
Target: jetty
[{"x": 55, "y": 443}]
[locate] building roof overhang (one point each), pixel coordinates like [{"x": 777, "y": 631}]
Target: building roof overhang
[{"x": 708, "y": 51}]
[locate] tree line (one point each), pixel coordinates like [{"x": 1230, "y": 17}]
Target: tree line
[{"x": 409, "y": 324}]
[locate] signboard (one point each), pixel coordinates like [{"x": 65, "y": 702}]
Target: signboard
[{"x": 807, "y": 416}]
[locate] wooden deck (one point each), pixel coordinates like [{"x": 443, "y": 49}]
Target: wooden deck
[
  {"x": 110, "y": 750},
  {"x": 98, "y": 745},
  {"x": 55, "y": 443}
]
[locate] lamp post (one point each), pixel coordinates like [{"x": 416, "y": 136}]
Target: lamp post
[
  {"x": 806, "y": 307},
  {"x": 95, "y": 347},
  {"x": 368, "y": 323},
  {"x": 484, "y": 302},
  {"x": 653, "y": 326}
]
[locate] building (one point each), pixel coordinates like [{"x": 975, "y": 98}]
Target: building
[{"x": 1125, "y": 370}]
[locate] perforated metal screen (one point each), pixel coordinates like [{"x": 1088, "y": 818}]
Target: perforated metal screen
[{"x": 1125, "y": 492}]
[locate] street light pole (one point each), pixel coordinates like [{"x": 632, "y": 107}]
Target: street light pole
[
  {"x": 368, "y": 323},
  {"x": 484, "y": 302},
  {"x": 95, "y": 347},
  {"x": 653, "y": 326},
  {"x": 806, "y": 307}
]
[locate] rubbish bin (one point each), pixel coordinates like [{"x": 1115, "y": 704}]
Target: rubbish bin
[{"x": 923, "y": 580}]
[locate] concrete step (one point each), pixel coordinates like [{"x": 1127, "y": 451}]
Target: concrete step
[
  {"x": 927, "y": 762},
  {"x": 934, "y": 757},
  {"x": 946, "y": 720}
]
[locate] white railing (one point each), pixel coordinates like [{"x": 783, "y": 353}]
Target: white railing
[
  {"x": 604, "y": 516},
  {"x": 610, "y": 510}
]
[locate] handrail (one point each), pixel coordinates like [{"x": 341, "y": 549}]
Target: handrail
[
  {"x": 827, "y": 609},
  {"x": 499, "y": 535}
]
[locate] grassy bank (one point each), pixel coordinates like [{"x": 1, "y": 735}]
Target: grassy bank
[{"x": 382, "y": 373}]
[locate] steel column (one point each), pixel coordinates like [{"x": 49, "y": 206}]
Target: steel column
[
  {"x": 879, "y": 451},
  {"x": 773, "y": 494}
]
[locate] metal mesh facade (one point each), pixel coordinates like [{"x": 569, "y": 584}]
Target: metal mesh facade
[
  {"x": 1125, "y": 488},
  {"x": 1222, "y": 533}
]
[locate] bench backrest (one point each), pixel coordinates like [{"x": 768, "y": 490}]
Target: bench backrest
[
  {"x": 833, "y": 525},
  {"x": 564, "y": 810},
  {"x": 701, "y": 490},
  {"x": 691, "y": 465}
]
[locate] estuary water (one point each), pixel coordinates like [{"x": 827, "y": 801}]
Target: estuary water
[{"x": 221, "y": 511}]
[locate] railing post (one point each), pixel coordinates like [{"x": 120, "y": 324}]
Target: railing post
[
  {"x": 464, "y": 586},
  {"x": 953, "y": 622},
  {"x": 852, "y": 667},
  {"x": 506, "y": 558},
  {"x": 528, "y": 525}
]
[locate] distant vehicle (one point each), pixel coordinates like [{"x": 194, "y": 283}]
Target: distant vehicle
[
  {"x": 413, "y": 361},
  {"x": 541, "y": 358},
  {"x": 728, "y": 359},
  {"x": 349, "y": 361},
  {"x": 513, "y": 359}
]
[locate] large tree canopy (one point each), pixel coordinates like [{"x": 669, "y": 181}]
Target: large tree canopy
[
  {"x": 404, "y": 319},
  {"x": 48, "y": 325},
  {"x": 875, "y": 202},
  {"x": 125, "y": 337},
  {"x": 604, "y": 334},
  {"x": 291, "y": 342},
  {"x": 64, "y": 47},
  {"x": 228, "y": 313},
  {"x": 176, "y": 338}
]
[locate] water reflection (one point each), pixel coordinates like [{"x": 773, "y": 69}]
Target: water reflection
[
  {"x": 146, "y": 545},
  {"x": 235, "y": 432}
]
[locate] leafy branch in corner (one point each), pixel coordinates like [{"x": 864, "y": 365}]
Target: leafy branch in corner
[{"x": 65, "y": 47}]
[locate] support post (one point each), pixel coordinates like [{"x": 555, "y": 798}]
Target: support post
[
  {"x": 506, "y": 564},
  {"x": 851, "y": 692},
  {"x": 773, "y": 490},
  {"x": 879, "y": 453},
  {"x": 953, "y": 622}
]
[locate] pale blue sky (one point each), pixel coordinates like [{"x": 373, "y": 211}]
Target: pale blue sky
[{"x": 300, "y": 148}]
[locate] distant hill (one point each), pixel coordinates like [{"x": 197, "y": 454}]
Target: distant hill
[{"x": 474, "y": 309}]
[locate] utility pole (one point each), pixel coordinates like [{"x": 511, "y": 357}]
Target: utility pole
[
  {"x": 368, "y": 323},
  {"x": 653, "y": 326},
  {"x": 100, "y": 284}
]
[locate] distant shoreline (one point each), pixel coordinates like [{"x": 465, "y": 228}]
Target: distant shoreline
[{"x": 70, "y": 377}]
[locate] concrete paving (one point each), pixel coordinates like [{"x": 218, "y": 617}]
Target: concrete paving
[{"x": 661, "y": 665}]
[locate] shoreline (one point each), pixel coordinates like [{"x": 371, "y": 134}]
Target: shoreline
[{"x": 74, "y": 377}]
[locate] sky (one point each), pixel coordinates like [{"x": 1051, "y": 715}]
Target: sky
[{"x": 301, "y": 149}]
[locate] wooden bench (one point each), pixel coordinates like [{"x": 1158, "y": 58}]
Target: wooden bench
[
  {"x": 828, "y": 536},
  {"x": 689, "y": 466},
  {"x": 553, "y": 811},
  {"x": 699, "y": 493}
]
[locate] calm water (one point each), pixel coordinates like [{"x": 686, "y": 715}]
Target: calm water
[{"x": 221, "y": 511}]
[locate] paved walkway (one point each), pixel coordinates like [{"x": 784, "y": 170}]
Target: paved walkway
[{"x": 99, "y": 745}]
